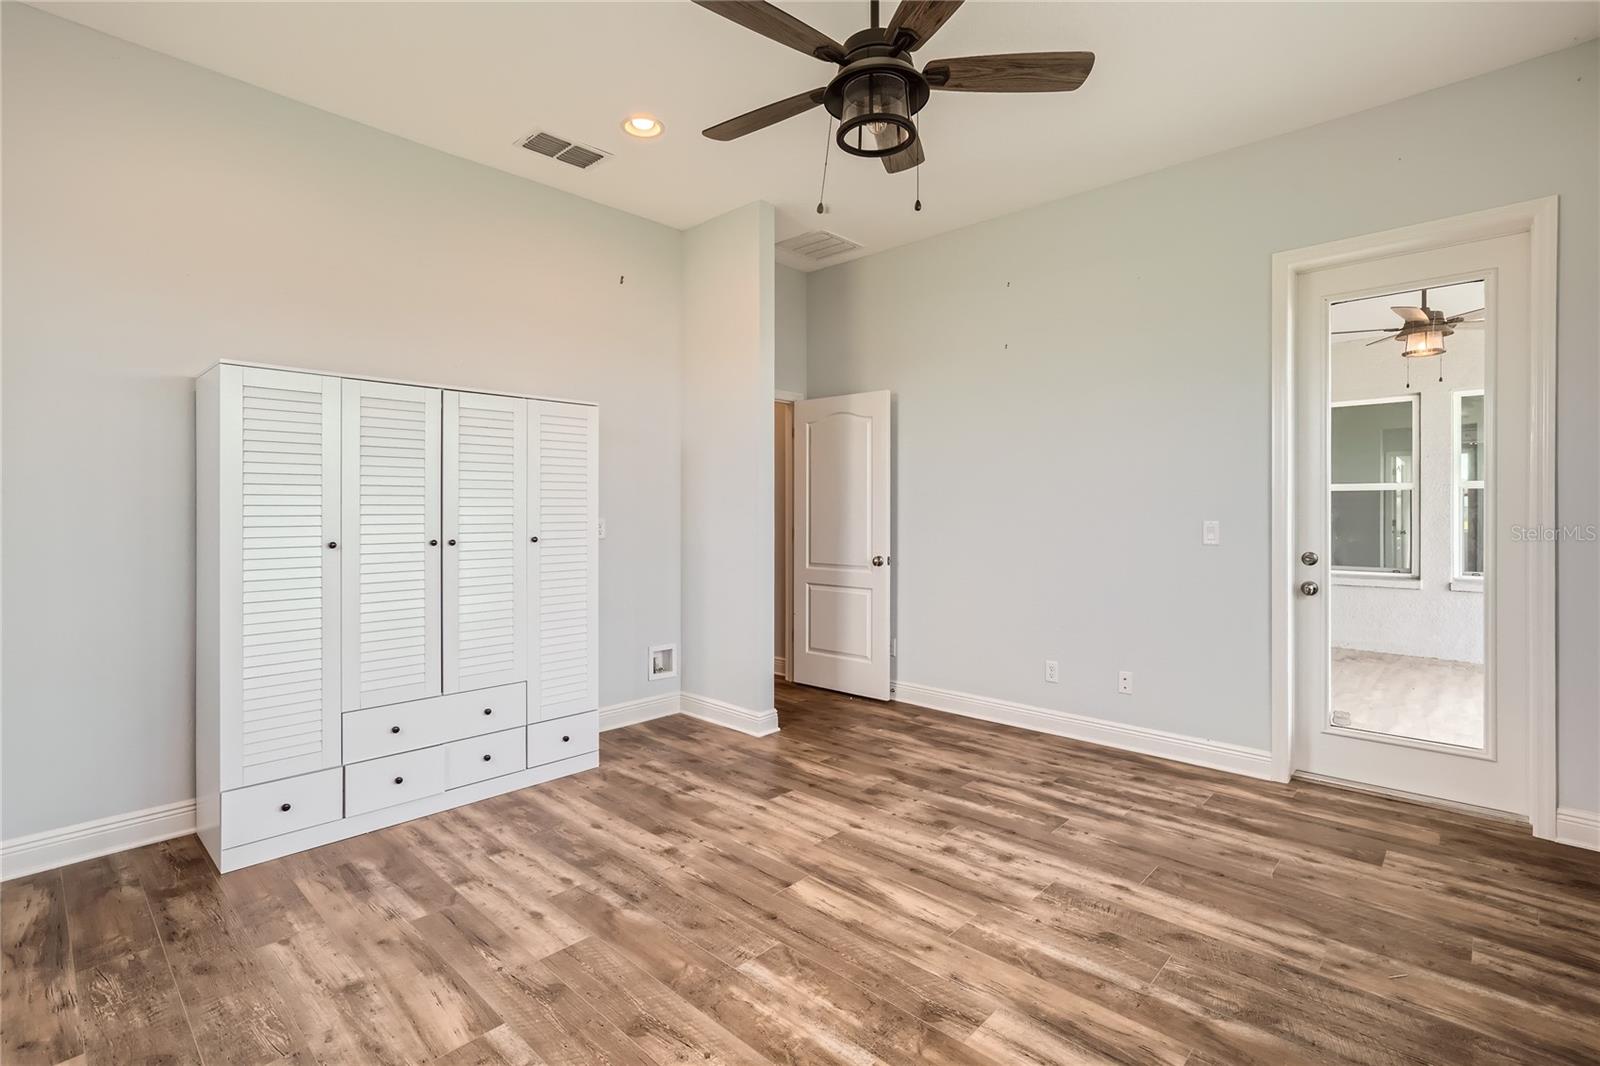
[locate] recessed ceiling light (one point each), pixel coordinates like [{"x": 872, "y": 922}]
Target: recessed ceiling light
[{"x": 645, "y": 126}]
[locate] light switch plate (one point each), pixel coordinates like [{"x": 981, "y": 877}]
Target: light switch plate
[{"x": 1211, "y": 532}]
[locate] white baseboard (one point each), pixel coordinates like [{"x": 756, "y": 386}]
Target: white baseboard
[
  {"x": 1250, "y": 762},
  {"x": 745, "y": 720},
  {"x": 90, "y": 840},
  {"x": 1579, "y": 828},
  {"x": 780, "y": 666},
  {"x": 632, "y": 712}
]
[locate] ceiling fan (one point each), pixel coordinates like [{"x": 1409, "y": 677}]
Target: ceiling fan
[
  {"x": 878, "y": 90},
  {"x": 1422, "y": 330}
]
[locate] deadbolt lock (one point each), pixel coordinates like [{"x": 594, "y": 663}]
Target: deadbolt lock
[{"x": 1309, "y": 558}]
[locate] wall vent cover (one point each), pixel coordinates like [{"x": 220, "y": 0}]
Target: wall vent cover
[
  {"x": 818, "y": 244},
  {"x": 548, "y": 144}
]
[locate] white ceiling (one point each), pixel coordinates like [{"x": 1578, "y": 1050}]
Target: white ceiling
[{"x": 1172, "y": 82}]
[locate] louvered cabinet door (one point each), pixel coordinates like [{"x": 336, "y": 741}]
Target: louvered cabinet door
[
  {"x": 486, "y": 539},
  {"x": 564, "y": 578},
  {"x": 278, "y": 571},
  {"x": 391, "y": 570}
]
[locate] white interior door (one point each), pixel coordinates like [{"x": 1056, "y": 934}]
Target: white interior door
[
  {"x": 280, "y": 527},
  {"x": 391, "y": 565},
  {"x": 841, "y": 543},
  {"x": 564, "y": 569},
  {"x": 485, "y": 540},
  {"x": 1377, "y": 595}
]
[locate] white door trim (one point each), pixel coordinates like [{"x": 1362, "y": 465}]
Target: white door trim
[{"x": 1537, "y": 218}]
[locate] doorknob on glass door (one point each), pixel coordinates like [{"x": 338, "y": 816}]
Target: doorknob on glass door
[{"x": 1309, "y": 588}]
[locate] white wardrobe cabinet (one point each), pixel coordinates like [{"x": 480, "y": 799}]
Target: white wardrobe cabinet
[{"x": 397, "y": 593}]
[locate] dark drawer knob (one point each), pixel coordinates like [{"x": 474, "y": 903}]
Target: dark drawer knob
[
  {"x": 565, "y": 739},
  {"x": 285, "y": 807},
  {"x": 486, "y": 758},
  {"x": 333, "y": 544},
  {"x": 488, "y": 710},
  {"x": 433, "y": 544},
  {"x": 536, "y": 540},
  {"x": 399, "y": 780},
  {"x": 451, "y": 542},
  {"x": 394, "y": 729}
]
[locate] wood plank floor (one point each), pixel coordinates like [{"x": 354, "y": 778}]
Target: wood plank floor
[{"x": 876, "y": 884}]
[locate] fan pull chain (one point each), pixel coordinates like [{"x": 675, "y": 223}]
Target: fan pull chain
[
  {"x": 826, "y": 145},
  {"x": 1441, "y": 367},
  {"x": 918, "y": 205},
  {"x": 1408, "y": 375}
]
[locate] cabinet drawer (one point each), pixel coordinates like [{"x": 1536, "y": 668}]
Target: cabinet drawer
[
  {"x": 562, "y": 738},
  {"x": 379, "y": 731},
  {"x": 371, "y": 786},
  {"x": 480, "y": 758},
  {"x": 278, "y": 807}
]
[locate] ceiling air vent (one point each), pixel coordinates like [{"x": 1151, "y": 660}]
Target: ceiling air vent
[
  {"x": 578, "y": 155},
  {"x": 818, "y": 245}
]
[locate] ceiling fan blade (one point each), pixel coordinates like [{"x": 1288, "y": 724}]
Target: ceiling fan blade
[
  {"x": 1462, "y": 316},
  {"x": 900, "y": 161},
  {"x": 1412, "y": 314},
  {"x": 1380, "y": 340},
  {"x": 778, "y": 25},
  {"x": 921, "y": 19},
  {"x": 1019, "y": 72},
  {"x": 762, "y": 117},
  {"x": 1389, "y": 329}
]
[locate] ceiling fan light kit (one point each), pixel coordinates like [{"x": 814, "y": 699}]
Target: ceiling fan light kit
[{"x": 878, "y": 91}]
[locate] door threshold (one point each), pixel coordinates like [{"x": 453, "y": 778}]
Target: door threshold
[{"x": 1413, "y": 797}]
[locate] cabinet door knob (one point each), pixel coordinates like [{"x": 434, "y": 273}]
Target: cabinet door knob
[
  {"x": 394, "y": 729},
  {"x": 486, "y": 758},
  {"x": 333, "y": 544},
  {"x": 451, "y": 542},
  {"x": 565, "y": 739},
  {"x": 535, "y": 540},
  {"x": 286, "y": 806},
  {"x": 433, "y": 544},
  {"x": 399, "y": 780},
  {"x": 488, "y": 710}
]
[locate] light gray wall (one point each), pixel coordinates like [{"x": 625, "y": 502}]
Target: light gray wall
[
  {"x": 728, "y": 341},
  {"x": 790, "y": 319},
  {"x": 1079, "y": 385},
  {"x": 157, "y": 218}
]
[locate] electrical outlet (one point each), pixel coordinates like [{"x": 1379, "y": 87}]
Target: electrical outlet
[
  {"x": 602, "y": 530},
  {"x": 1125, "y": 682},
  {"x": 1211, "y": 531},
  {"x": 1052, "y": 671}
]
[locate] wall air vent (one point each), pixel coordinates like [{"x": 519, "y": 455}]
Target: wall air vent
[
  {"x": 581, "y": 156},
  {"x": 818, "y": 245}
]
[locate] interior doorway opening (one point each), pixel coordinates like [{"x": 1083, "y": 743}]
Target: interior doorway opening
[{"x": 783, "y": 537}]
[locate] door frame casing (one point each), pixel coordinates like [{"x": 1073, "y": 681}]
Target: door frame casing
[{"x": 1538, "y": 219}]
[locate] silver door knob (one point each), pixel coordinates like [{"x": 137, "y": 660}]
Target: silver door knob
[
  {"x": 1309, "y": 588},
  {"x": 877, "y": 560},
  {"x": 1309, "y": 558}
]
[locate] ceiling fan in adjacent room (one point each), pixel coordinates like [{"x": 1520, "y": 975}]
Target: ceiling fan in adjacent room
[
  {"x": 1421, "y": 332},
  {"x": 878, "y": 90}
]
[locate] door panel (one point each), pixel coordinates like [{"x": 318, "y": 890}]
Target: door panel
[
  {"x": 564, "y": 570},
  {"x": 842, "y": 543},
  {"x": 286, "y": 466},
  {"x": 392, "y": 616},
  {"x": 1353, "y": 690},
  {"x": 485, "y": 540}
]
